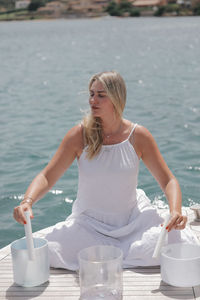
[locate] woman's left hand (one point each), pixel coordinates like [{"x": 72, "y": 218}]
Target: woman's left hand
[{"x": 177, "y": 221}]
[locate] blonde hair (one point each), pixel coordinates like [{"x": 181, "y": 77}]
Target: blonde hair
[{"x": 115, "y": 89}]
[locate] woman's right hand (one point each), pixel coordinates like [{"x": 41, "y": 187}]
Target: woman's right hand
[{"x": 18, "y": 212}]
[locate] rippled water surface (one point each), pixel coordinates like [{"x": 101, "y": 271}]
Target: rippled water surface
[{"x": 44, "y": 71}]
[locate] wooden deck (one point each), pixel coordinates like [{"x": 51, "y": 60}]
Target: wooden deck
[{"x": 139, "y": 283}]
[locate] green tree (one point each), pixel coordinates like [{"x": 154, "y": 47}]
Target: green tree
[
  {"x": 125, "y": 6},
  {"x": 7, "y": 4},
  {"x": 196, "y": 9},
  {"x": 111, "y": 6},
  {"x": 118, "y": 9},
  {"x": 135, "y": 12},
  {"x": 35, "y": 4},
  {"x": 160, "y": 11},
  {"x": 113, "y": 9}
]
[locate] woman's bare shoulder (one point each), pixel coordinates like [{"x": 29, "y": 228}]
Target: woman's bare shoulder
[
  {"x": 75, "y": 132},
  {"x": 139, "y": 131},
  {"x": 142, "y": 132},
  {"x": 142, "y": 140},
  {"x": 74, "y": 137}
]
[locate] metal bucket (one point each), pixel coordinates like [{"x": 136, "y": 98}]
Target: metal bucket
[{"x": 180, "y": 264}]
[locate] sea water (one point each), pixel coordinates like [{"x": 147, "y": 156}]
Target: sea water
[{"x": 45, "y": 67}]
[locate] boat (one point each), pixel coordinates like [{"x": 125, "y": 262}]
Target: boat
[{"x": 138, "y": 283}]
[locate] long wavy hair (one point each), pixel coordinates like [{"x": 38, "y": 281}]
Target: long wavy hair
[{"x": 115, "y": 89}]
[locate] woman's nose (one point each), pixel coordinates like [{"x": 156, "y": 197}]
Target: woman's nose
[{"x": 93, "y": 99}]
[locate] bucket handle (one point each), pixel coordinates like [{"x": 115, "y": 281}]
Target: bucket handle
[
  {"x": 29, "y": 236},
  {"x": 161, "y": 237}
]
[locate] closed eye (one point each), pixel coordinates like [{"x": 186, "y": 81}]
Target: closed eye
[{"x": 100, "y": 95}]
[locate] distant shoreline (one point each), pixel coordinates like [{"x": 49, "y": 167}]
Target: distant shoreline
[
  {"x": 28, "y": 16},
  {"x": 25, "y": 15}
]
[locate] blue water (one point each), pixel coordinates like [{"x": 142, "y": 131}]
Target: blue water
[{"x": 45, "y": 67}]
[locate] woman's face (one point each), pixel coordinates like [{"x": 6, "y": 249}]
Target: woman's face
[{"x": 100, "y": 103}]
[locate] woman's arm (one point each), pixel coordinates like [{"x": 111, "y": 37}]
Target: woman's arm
[
  {"x": 148, "y": 151},
  {"x": 70, "y": 148}
]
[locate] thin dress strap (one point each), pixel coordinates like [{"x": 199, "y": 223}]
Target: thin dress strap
[{"x": 134, "y": 126}]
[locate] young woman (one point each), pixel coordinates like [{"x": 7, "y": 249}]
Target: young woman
[{"x": 109, "y": 208}]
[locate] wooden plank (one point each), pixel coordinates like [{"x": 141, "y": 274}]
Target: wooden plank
[
  {"x": 4, "y": 252},
  {"x": 72, "y": 297},
  {"x": 69, "y": 297},
  {"x": 156, "y": 297},
  {"x": 127, "y": 289},
  {"x": 67, "y": 292},
  {"x": 163, "y": 297}
]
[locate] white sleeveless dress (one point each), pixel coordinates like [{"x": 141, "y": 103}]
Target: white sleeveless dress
[{"x": 110, "y": 210}]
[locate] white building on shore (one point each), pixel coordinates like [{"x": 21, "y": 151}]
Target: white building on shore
[{"x": 22, "y": 3}]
